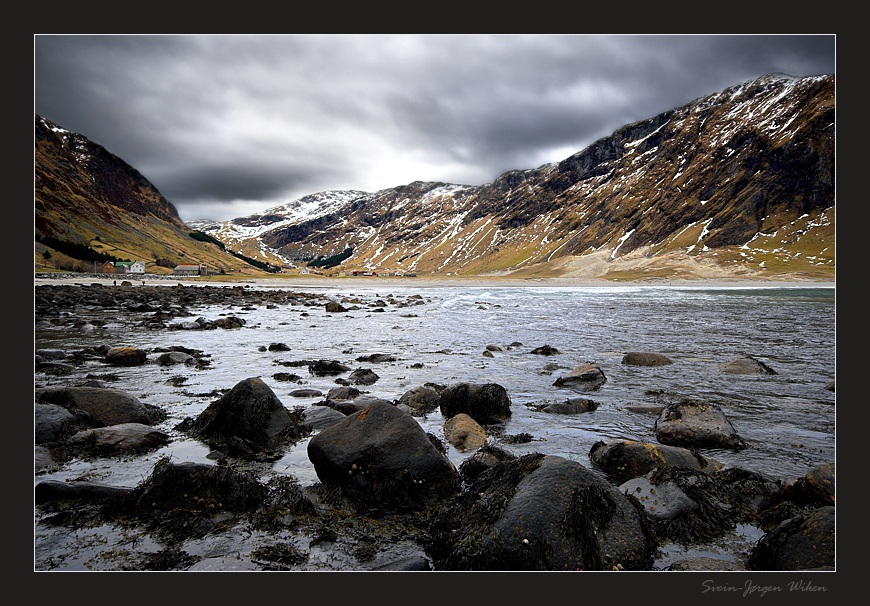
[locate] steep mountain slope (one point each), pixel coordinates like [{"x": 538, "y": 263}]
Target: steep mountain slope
[
  {"x": 86, "y": 196},
  {"x": 737, "y": 183}
]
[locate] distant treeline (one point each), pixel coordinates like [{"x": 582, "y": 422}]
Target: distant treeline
[
  {"x": 203, "y": 237},
  {"x": 77, "y": 251},
  {"x": 327, "y": 262}
]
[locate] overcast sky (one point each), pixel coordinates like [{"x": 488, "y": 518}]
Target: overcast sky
[{"x": 226, "y": 126}]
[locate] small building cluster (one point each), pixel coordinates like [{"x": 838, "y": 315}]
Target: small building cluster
[
  {"x": 123, "y": 267},
  {"x": 138, "y": 267},
  {"x": 190, "y": 270}
]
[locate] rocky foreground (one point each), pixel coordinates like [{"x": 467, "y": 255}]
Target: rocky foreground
[{"x": 387, "y": 486}]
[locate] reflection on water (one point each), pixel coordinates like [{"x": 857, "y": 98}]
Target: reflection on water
[{"x": 787, "y": 418}]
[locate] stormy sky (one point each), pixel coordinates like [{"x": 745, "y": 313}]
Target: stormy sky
[{"x": 227, "y": 126}]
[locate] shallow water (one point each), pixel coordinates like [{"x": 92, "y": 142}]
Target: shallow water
[{"x": 787, "y": 419}]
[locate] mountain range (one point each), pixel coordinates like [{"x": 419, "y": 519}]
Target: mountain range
[{"x": 739, "y": 183}]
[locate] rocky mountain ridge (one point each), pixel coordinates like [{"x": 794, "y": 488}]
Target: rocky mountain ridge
[{"x": 738, "y": 183}]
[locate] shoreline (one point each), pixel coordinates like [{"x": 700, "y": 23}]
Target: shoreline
[{"x": 302, "y": 282}]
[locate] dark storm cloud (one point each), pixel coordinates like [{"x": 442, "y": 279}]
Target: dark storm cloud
[{"x": 225, "y": 126}]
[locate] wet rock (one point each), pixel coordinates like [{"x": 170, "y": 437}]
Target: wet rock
[
  {"x": 318, "y": 417},
  {"x": 42, "y": 459},
  {"x": 586, "y": 377},
  {"x": 817, "y": 487},
  {"x": 486, "y": 457},
  {"x": 540, "y": 512},
  {"x": 101, "y": 406},
  {"x": 247, "y": 420},
  {"x": 377, "y": 358},
  {"x": 230, "y": 322},
  {"x": 190, "y": 499},
  {"x": 694, "y": 424},
  {"x": 333, "y": 307},
  {"x": 483, "y": 402},
  {"x": 747, "y": 365},
  {"x": 464, "y": 433},
  {"x": 545, "y": 350},
  {"x": 363, "y": 376},
  {"x": 381, "y": 458},
  {"x": 322, "y": 368},
  {"x": 53, "y": 423},
  {"x": 419, "y": 400},
  {"x": 623, "y": 460},
  {"x": 176, "y": 357},
  {"x": 305, "y": 393},
  {"x": 49, "y": 491},
  {"x": 571, "y": 406},
  {"x": 643, "y": 358},
  {"x": 343, "y": 393},
  {"x": 804, "y": 542},
  {"x": 124, "y": 438},
  {"x": 126, "y": 356}
]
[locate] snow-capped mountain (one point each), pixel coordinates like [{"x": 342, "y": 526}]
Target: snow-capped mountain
[{"x": 742, "y": 179}]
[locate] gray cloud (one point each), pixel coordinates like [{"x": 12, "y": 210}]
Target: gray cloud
[{"x": 229, "y": 125}]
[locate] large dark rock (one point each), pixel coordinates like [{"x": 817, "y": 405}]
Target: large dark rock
[
  {"x": 540, "y": 512},
  {"x": 101, "y": 406},
  {"x": 694, "y": 424},
  {"x": 804, "y": 542},
  {"x": 382, "y": 460},
  {"x": 483, "y": 402},
  {"x": 249, "y": 420}
]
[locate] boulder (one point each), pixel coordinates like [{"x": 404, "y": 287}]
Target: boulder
[
  {"x": 101, "y": 406},
  {"x": 540, "y": 512},
  {"x": 623, "y": 460},
  {"x": 247, "y": 420},
  {"x": 483, "y": 402},
  {"x": 126, "y": 356},
  {"x": 322, "y": 368},
  {"x": 124, "y": 438},
  {"x": 419, "y": 400},
  {"x": 570, "y": 406},
  {"x": 816, "y": 488},
  {"x": 382, "y": 460},
  {"x": 696, "y": 424},
  {"x": 363, "y": 376},
  {"x": 53, "y": 423},
  {"x": 545, "y": 350},
  {"x": 586, "y": 377},
  {"x": 804, "y": 542},
  {"x": 643, "y": 358},
  {"x": 464, "y": 433},
  {"x": 747, "y": 365}
]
